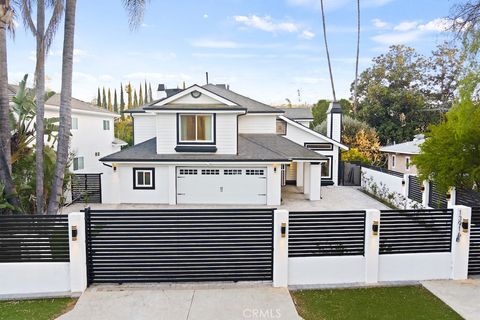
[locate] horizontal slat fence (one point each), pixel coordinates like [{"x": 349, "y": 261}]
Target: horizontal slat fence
[
  {"x": 474, "y": 258},
  {"x": 469, "y": 198},
  {"x": 415, "y": 231},
  {"x": 415, "y": 189},
  {"x": 326, "y": 233},
  {"x": 42, "y": 238},
  {"x": 87, "y": 188},
  {"x": 436, "y": 199},
  {"x": 179, "y": 245}
]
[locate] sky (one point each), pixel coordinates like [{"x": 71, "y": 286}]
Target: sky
[{"x": 270, "y": 50}]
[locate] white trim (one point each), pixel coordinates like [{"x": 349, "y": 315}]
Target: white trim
[
  {"x": 205, "y": 163},
  {"x": 212, "y": 128},
  {"x": 191, "y": 89},
  {"x": 150, "y": 112},
  {"x": 399, "y": 152},
  {"x": 81, "y": 111},
  {"x": 143, "y": 172},
  {"x": 319, "y": 135}
]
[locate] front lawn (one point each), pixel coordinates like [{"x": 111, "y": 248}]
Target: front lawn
[
  {"x": 38, "y": 309},
  {"x": 409, "y": 302}
]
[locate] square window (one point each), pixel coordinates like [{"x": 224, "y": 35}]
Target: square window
[
  {"x": 196, "y": 128},
  {"x": 106, "y": 125},
  {"x": 281, "y": 127},
  {"x": 78, "y": 163},
  {"x": 143, "y": 178},
  {"x": 407, "y": 163},
  {"x": 97, "y": 154},
  {"x": 326, "y": 168},
  {"x": 74, "y": 123}
]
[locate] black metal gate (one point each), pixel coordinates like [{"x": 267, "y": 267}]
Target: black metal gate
[
  {"x": 474, "y": 258},
  {"x": 179, "y": 245},
  {"x": 87, "y": 188}
]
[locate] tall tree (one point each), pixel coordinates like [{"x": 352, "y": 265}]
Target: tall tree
[
  {"x": 129, "y": 96},
  {"x": 135, "y": 9},
  {"x": 115, "y": 101},
  {"x": 99, "y": 98},
  {"x": 65, "y": 124},
  {"x": 122, "y": 101},
  {"x": 44, "y": 37},
  {"x": 6, "y": 24},
  {"x": 140, "y": 96},
  {"x": 104, "y": 99},
  {"x": 355, "y": 97},
  {"x": 109, "y": 105},
  {"x": 150, "y": 96},
  {"x": 145, "y": 91},
  {"x": 135, "y": 99},
  {"x": 327, "y": 51}
]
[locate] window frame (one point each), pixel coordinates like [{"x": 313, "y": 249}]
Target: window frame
[
  {"x": 144, "y": 187},
  {"x": 83, "y": 163},
  {"x": 408, "y": 163},
  {"x": 106, "y": 121},
  {"x": 74, "y": 121},
  {"x": 196, "y": 142},
  {"x": 394, "y": 160},
  {"x": 284, "y": 124},
  {"x": 330, "y": 169}
]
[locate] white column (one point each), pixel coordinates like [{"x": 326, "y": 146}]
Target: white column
[
  {"x": 280, "y": 249},
  {"x": 315, "y": 181},
  {"x": 172, "y": 185},
  {"x": 453, "y": 198},
  {"x": 274, "y": 185},
  {"x": 460, "y": 242},
  {"x": 372, "y": 244},
  {"x": 405, "y": 180},
  {"x": 425, "y": 193},
  {"x": 306, "y": 178},
  {"x": 299, "y": 174},
  {"x": 78, "y": 254}
]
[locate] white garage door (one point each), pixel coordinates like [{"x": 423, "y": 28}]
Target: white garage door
[{"x": 222, "y": 185}]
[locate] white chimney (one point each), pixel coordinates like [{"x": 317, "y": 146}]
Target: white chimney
[
  {"x": 161, "y": 92},
  {"x": 334, "y": 121}
]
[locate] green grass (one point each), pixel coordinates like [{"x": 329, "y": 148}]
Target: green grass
[
  {"x": 38, "y": 309},
  {"x": 409, "y": 302}
]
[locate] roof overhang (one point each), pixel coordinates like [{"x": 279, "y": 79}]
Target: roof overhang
[
  {"x": 190, "y": 90},
  {"x": 86, "y": 112}
]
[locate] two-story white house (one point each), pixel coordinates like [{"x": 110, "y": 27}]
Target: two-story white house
[{"x": 210, "y": 145}]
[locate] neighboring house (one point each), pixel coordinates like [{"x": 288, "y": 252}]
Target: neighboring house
[
  {"x": 400, "y": 155},
  {"x": 210, "y": 145},
  {"x": 303, "y": 116},
  {"x": 92, "y": 133}
]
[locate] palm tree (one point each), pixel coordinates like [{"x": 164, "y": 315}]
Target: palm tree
[
  {"x": 44, "y": 39},
  {"x": 6, "y": 24},
  {"x": 328, "y": 53},
  {"x": 355, "y": 87},
  {"x": 135, "y": 9}
]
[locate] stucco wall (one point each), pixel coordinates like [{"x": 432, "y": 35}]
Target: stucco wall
[{"x": 400, "y": 163}]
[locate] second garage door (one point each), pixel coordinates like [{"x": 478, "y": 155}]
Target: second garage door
[{"x": 196, "y": 185}]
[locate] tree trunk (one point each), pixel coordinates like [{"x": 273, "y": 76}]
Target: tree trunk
[
  {"x": 355, "y": 88},
  {"x": 327, "y": 51},
  {"x": 5, "y": 131},
  {"x": 65, "y": 108},
  {"x": 40, "y": 108}
]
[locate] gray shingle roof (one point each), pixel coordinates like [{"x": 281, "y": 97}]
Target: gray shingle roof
[
  {"x": 251, "y": 147},
  {"x": 409, "y": 147},
  {"x": 298, "y": 113}
]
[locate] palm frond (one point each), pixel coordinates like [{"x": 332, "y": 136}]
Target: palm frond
[
  {"x": 135, "y": 10},
  {"x": 54, "y": 22}
]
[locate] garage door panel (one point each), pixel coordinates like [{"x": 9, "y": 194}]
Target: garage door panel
[{"x": 221, "y": 185}]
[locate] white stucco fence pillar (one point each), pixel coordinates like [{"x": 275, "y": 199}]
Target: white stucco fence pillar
[
  {"x": 453, "y": 198},
  {"x": 372, "y": 245},
  {"x": 426, "y": 193},
  {"x": 306, "y": 178},
  {"x": 315, "y": 181},
  {"x": 280, "y": 249},
  {"x": 460, "y": 242},
  {"x": 78, "y": 254},
  {"x": 299, "y": 174}
]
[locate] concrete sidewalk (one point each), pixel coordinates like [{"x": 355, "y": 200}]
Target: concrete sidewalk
[
  {"x": 198, "y": 302},
  {"x": 463, "y": 296}
]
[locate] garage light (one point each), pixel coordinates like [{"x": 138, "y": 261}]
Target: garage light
[
  {"x": 74, "y": 233},
  {"x": 465, "y": 225},
  {"x": 283, "y": 229}
]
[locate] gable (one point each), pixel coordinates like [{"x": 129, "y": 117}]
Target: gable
[
  {"x": 195, "y": 95},
  {"x": 202, "y": 99}
]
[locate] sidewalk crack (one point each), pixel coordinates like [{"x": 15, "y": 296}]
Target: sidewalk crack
[{"x": 191, "y": 303}]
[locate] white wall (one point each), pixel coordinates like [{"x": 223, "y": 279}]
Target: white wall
[
  {"x": 257, "y": 123},
  {"x": 414, "y": 266},
  {"x": 89, "y": 138},
  {"x": 300, "y": 136},
  {"x": 166, "y": 132},
  {"x": 274, "y": 187},
  {"x": 32, "y": 278},
  {"x": 326, "y": 270},
  {"x": 226, "y": 135},
  {"x": 144, "y": 127},
  {"x": 393, "y": 183}
]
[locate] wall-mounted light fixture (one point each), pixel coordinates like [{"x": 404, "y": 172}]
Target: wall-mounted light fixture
[
  {"x": 375, "y": 226},
  {"x": 403, "y": 182},
  {"x": 74, "y": 233},
  {"x": 274, "y": 168},
  {"x": 448, "y": 195},
  {"x": 422, "y": 188},
  {"x": 283, "y": 230},
  {"x": 114, "y": 166},
  {"x": 465, "y": 225}
]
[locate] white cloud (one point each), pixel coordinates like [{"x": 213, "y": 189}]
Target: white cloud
[
  {"x": 308, "y": 80},
  {"x": 155, "y": 76},
  {"x": 406, "y": 26},
  {"x": 331, "y": 5},
  {"x": 106, "y": 77},
  {"x": 205, "y": 16},
  {"x": 228, "y": 44},
  {"x": 436, "y": 25},
  {"x": 377, "y": 23},
  {"x": 160, "y": 56},
  {"x": 307, "y": 34},
  {"x": 144, "y": 25},
  {"x": 267, "y": 24},
  {"x": 397, "y": 38}
]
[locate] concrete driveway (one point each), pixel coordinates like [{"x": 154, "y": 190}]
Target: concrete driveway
[
  {"x": 182, "y": 302},
  {"x": 463, "y": 296}
]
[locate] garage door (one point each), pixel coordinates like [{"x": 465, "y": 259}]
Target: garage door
[{"x": 221, "y": 185}]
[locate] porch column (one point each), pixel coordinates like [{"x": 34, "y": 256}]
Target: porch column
[
  {"x": 315, "y": 180},
  {"x": 300, "y": 174},
  {"x": 306, "y": 178}
]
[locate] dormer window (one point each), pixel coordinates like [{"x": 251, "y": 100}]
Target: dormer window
[{"x": 196, "y": 128}]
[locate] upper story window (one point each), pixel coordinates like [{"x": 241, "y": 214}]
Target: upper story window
[
  {"x": 407, "y": 163},
  {"x": 394, "y": 158},
  {"x": 78, "y": 163},
  {"x": 196, "y": 128},
  {"x": 106, "y": 125},
  {"x": 281, "y": 127},
  {"x": 74, "y": 123}
]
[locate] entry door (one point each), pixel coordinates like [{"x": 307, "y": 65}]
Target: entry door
[{"x": 219, "y": 185}]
